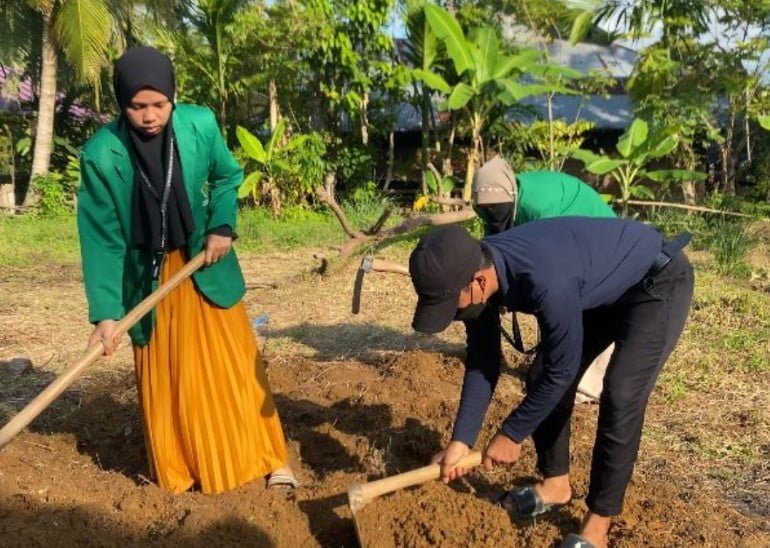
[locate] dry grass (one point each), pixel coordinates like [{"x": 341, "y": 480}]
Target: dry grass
[{"x": 708, "y": 420}]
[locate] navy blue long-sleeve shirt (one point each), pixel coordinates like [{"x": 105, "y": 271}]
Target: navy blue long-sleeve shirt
[{"x": 555, "y": 269}]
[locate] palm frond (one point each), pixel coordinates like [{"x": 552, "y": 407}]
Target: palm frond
[
  {"x": 82, "y": 30},
  {"x": 19, "y": 32}
]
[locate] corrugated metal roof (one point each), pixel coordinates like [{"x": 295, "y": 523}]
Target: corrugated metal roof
[
  {"x": 613, "y": 112},
  {"x": 614, "y": 59}
]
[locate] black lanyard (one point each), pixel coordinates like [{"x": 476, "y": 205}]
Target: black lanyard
[
  {"x": 516, "y": 341},
  {"x": 157, "y": 260}
]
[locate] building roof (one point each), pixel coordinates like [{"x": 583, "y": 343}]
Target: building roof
[
  {"x": 606, "y": 112},
  {"x": 615, "y": 60},
  {"x": 613, "y": 112}
]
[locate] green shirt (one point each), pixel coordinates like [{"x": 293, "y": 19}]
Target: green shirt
[{"x": 545, "y": 194}]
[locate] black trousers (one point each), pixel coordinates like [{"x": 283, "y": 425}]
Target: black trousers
[{"x": 645, "y": 324}]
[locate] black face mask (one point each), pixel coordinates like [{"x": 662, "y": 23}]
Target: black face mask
[
  {"x": 470, "y": 312},
  {"x": 497, "y": 217}
]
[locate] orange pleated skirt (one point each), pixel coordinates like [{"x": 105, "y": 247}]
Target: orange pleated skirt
[{"x": 208, "y": 413}]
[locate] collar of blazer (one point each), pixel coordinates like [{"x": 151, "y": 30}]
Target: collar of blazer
[{"x": 186, "y": 140}]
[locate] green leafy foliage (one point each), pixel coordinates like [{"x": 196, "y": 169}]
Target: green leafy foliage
[
  {"x": 637, "y": 147},
  {"x": 287, "y": 167},
  {"x": 519, "y": 139},
  {"x": 56, "y": 191},
  {"x": 485, "y": 78},
  {"x": 438, "y": 187}
]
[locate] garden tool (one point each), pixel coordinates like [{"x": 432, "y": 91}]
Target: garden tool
[
  {"x": 92, "y": 354},
  {"x": 369, "y": 264},
  {"x": 361, "y": 494}
]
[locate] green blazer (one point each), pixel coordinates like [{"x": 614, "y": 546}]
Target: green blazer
[{"x": 117, "y": 275}]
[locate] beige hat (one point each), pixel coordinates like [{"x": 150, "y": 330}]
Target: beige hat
[{"x": 494, "y": 183}]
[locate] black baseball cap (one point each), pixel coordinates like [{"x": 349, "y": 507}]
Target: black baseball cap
[{"x": 443, "y": 262}]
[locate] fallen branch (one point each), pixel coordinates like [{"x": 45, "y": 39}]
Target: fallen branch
[
  {"x": 436, "y": 219},
  {"x": 449, "y": 201},
  {"x": 409, "y": 225},
  {"x": 684, "y": 206},
  {"x": 356, "y": 238},
  {"x": 377, "y": 226},
  {"x": 326, "y": 195}
]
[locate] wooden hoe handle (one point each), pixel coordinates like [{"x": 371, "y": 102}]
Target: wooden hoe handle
[
  {"x": 360, "y": 494},
  {"x": 378, "y": 265},
  {"x": 72, "y": 372}
]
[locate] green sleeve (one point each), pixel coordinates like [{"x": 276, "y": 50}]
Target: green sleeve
[
  {"x": 522, "y": 216},
  {"x": 102, "y": 246},
  {"x": 225, "y": 177}
]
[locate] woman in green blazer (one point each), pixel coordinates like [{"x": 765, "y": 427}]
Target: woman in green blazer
[{"x": 158, "y": 186}]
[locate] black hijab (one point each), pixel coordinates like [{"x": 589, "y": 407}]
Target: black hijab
[{"x": 141, "y": 68}]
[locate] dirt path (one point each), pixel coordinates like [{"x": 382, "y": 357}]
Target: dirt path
[{"x": 360, "y": 398}]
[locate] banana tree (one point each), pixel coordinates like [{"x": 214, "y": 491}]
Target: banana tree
[
  {"x": 637, "y": 147},
  {"x": 488, "y": 78},
  {"x": 272, "y": 159},
  {"x": 421, "y": 51}
]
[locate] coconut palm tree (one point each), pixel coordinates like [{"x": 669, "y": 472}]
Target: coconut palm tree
[
  {"x": 639, "y": 17},
  {"x": 79, "y": 31}
]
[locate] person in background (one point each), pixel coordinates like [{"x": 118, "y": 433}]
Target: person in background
[
  {"x": 158, "y": 186},
  {"x": 503, "y": 199}
]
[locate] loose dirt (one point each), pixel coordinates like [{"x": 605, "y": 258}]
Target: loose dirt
[{"x": 359, "y": 400}]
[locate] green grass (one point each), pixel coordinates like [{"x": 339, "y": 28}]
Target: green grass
[
  {"x": 27, "y": 240},
  {"x": 258, "y": 230},
  {"x": 726, "y": 238},
  {"x": 730, "y": 323}
]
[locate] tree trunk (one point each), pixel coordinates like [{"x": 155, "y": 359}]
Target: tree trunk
[
  {"x": 446, "y": 165},
  {"x": 425, "y": 111},
  {"x": 551, "y": 144},
  {"x": 472, "y": 160},
  {"x": 222, "y": 87},
  {"x": 364, "y": 105},
  {"x": 691, "y": 190},
  {"x": 470, "y": 169},
  {"x": 275, "y": 112},
  {"x": 41, "y": 157},
  {"x": 728, "y": 161},
  {"x": 8, "y": 191},
  {"x": 391, "y": 159}
]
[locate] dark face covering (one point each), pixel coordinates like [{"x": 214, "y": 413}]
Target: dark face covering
[
  {"x": 470, "y": 312},
  {"x": 497, "y": 217},
  {"x": 162, "y": 218}
]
